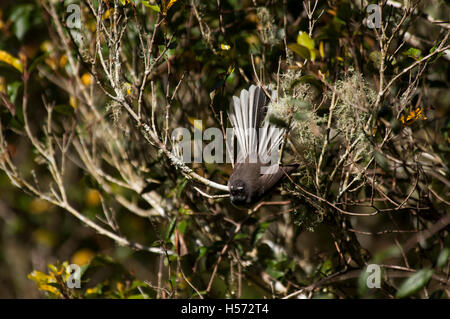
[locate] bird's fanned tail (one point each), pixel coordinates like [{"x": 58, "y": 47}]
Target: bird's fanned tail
[{"x": 256, "y": 137}]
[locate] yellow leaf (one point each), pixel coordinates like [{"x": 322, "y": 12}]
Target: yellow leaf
[
  {"x": 46, "y": 46},
  {"x": 120, "y": 287},
  {"x": 2, "y": 84},
  {"x": 169, "y": 4},
  {"x": 252, "y": 17},
  {"x": 92, "y": 26},
  {"x": 225, "y": 47},
  {"x": 107, "y": 14},
  {"x": 93, "y": 197},
  {"x": 412, "y": 116},
  {"x": 11, "y": 60},
  {"x": 73, "y": 102},
  {"x": 197, "y": 123},
  {"x": 50, "y": 289},
  {"x": 39, "y": 277},
  {"x": 63, "y": 61},
  {"x": 42, "y": 281},
  {"x": 252, "y": 39},
  {"x": 39, "y": 206},
  {"x": 44, "y": 237},
  {"x": 86, "y": 79},
  {"x": 91, "y": 291},
  {"x": 52, "y": 63},
  {"x": 128, "y": 88},
  {"x": 332, "y": 12},
  {"x": 65, "y": 272},
  {"x": 323, "y": 76},
  {"x": 321, "y": 50},
  {"x": 82, "y": 257},
  {"x": 52, "y": 268}
]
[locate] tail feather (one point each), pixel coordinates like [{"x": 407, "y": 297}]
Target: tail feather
[
  {"x": 247, "y": 115},
  {"x": 245, "y": 109}
]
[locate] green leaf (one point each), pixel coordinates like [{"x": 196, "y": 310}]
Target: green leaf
[
  {"x": 443, "y": 257},
  {"x": 274, "y": 273},
  {"x": 435, "y": 47},
  {"x": 362, "y": 282},
  {"x": 37, "y": 61},
  {"x": 241, "y": 236},
  {"x": 154, "y": 7},
  {"x": 83, "y": 269},
  {"x": 171, "y": 228},
  {"x": 257, "y": 235},
  {"x": 327, "y": 267},
  {"x": 64, "y": 109},
  {"x": 304, "y": 40},
  {"x": 202, "y": 252},
  {"x": 20, "y": 17},
  {"x": 13, "y": 90},
  {"x": 381, "y": 160},
  {"x": 390, "y": 252},
  {"x": 182, "y": 227},
  {"x": 414, "y": 53},
  {"x": 181, "y": 187},
  {"x": 414, "y": 283},
  {"x": 437, "y": 55},
  {"x": 300, "y": 50}
]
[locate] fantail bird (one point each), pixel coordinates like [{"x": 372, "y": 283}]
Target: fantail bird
[{"x": 258, "y": 142}]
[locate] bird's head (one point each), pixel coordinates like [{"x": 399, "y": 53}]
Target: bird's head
[{"x": 239, "y": 193}]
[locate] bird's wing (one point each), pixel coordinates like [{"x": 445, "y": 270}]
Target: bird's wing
[{"x": 272, "y": 174}]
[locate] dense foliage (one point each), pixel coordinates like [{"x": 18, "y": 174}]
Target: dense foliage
[{"x": 91, "y": 91}]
